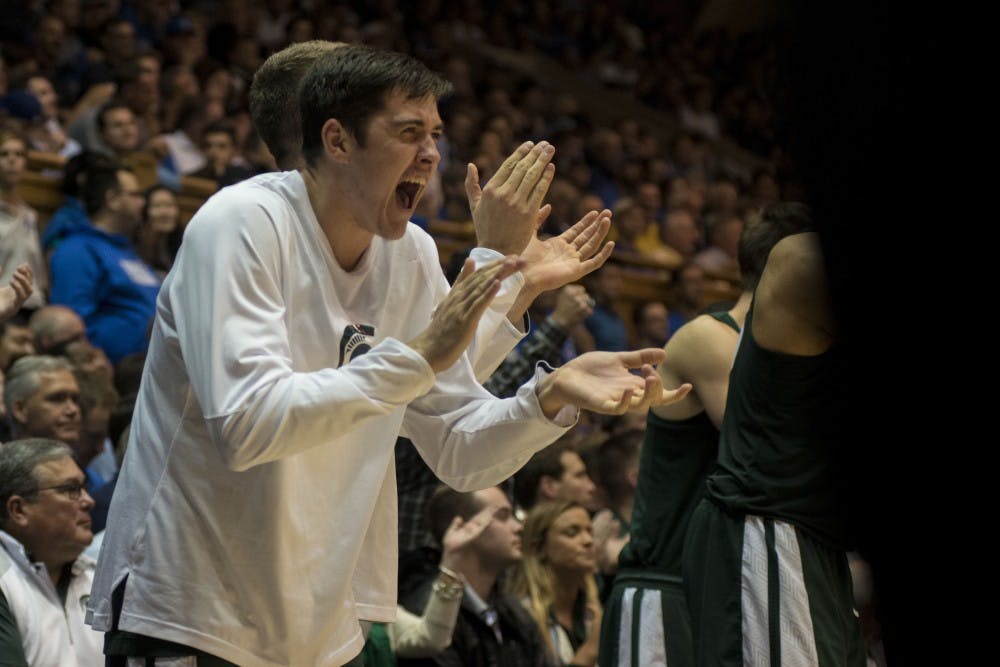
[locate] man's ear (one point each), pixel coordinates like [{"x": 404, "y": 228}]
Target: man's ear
[
  {"x": 110, "y": 197},
  {"x": 548, "y": 487},
  {"x": 15, "y": 511},
  {"x": 19, "y": 412},
  {"x": 337, "y": 141}
]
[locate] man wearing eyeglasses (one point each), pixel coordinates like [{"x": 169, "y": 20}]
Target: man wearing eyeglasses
[
  {"x": 96, "y": 270},
  {"x": 45, "y": 579}
]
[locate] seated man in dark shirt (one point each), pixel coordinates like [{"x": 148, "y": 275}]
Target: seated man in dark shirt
[{"x": 493, "y": 628}]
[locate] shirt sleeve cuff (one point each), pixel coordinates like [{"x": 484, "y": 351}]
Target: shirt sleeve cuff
[
  {"x": 510, "y": 287},
  {"x": 567, "y": 416}
]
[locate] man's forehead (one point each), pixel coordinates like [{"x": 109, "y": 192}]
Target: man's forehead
[
  {"x": 56, "y": 376},
  {"x": 58, "y": 470},
  {"x": 16, "y": 329},
  {"x": 570, "y": 459},
  {"x": 399, "y": 107},
  {"x": 127, "y": 180},
  {"x": 493, "y": 496}
]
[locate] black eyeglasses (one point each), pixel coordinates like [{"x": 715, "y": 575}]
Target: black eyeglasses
[{"x": 71, "y": 490}]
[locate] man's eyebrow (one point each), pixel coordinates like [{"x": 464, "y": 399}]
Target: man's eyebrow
[
  {"x": 415, "y": 121},
  {"x": 80, "y": 478}
]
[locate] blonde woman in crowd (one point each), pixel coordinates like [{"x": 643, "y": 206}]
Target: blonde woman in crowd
[{"x": 555, "y": 580}]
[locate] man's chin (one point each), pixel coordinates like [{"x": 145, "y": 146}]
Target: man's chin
[
  {"x": 69, "y": 437},
  {"x": 394, "y": 230}
]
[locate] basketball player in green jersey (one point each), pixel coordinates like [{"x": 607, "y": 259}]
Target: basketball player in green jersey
[
  {"x": 764, "y": 564},
  {"x": 646, "y": 622}
]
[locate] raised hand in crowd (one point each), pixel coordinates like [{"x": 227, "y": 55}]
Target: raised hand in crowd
[
  {"x": 573, "y": 305},
  {"x": 14, "y": 294}
]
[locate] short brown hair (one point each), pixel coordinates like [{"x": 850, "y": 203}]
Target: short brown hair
[
  {"x": 545, "y": 463},
  {"x": 274, "y": 98},
  {"x": 445, "y": 504},
  {"x": 352, "y": 84}
]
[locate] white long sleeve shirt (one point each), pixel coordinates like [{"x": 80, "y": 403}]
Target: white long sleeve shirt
[
  {"x": 52, "y": 633},
  {"x": 255, "y": 514}
]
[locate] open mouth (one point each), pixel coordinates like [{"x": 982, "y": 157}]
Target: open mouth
[{"x": 406, "y": 193}]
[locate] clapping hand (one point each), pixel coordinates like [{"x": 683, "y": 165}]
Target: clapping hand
[
  {"x": 507, "y": 212},
  {"x": 457, "y": 316},
  {"x": 603, "y": 382}
]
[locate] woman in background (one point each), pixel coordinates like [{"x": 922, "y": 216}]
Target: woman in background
[
  {"x": 159, "y": 235},
  {"x": 555, "y": 580}
]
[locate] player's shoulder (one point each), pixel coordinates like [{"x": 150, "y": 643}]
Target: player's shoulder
[
  {"x": 697, "y": 332},
  {"x": 264, "y": 200}
]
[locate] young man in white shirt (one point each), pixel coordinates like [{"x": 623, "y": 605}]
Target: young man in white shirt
[{"x": 306, "y": 324}]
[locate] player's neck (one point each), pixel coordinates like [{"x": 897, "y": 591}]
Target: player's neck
[
  {"x": 348, "y": 240},
  {"x": 739, "y": 310}
]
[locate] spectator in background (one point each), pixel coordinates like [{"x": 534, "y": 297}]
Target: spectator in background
[
  {"x": 615, "y": 463},
  {"x": 18, "y": 221},
  {"x": 97, "y": 272},
  {"x": 719, "y": 258},
  {"x": 118, "y": 129},
  {"x": 16, "y": 340},
  {"x": 44, "y": 578},
  {"x": 554, "y": 473},
  {"x": 184, "y": 41},
  {"x": 158, "y": 236},
  {"x": 179, "y": 84},
  {"x": 555, "y": 581},
  {"x": 223, "y": 163},
  {"x": 117, "y": 47},
  {"x": 685, "y": 193},
  {"x": 137, "y": 87},
  {"x": 58, "y": 56},
  {"x": 652, "y": 324},
  {"x": 605, "y": 329},
  {"x": 72, "y": 215},
  {"x": 48, "y": 135},
  {"x": 689, "y": 291},
  {"x": 764, "y": 189},
  {"x": 97, "y": 398},
  {"x": 412, "y": 636},
  {"x": 680, "y": 232},
  {"x": 650, "y": 195},
  {"x": 89, "y": 360},
  {"x": 179, "y": 151},
  {"x": 723, "y": 196},
  {"x": 563, "y": 196},
  {"x": 698, "y": 117},
  {"x": 638, "y": 235},
  {"x": 492, "y": 627},
  {"x": 42, "y": 398},
  {"x": 54, "y": 327}
]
